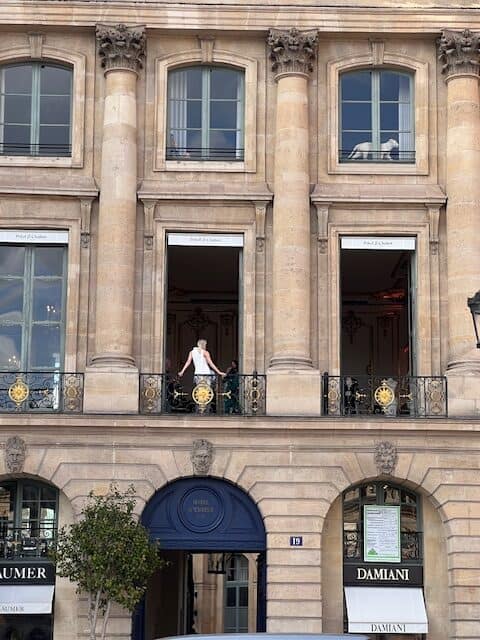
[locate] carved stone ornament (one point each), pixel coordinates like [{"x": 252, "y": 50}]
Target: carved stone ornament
[
  {"x": 202, "y": 455},
  {"x": 121, "y": 47},
  {"x": 385, "y": 456},
  {"x": 459, "y": 52},
  {"x": 292, "y": 51},
  {"x": 15, "y": 453}
]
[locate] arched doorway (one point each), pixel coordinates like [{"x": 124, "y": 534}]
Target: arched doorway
[{"x": 200, "y": 524}]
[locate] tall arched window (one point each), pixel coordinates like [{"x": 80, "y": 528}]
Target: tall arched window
[
  {"x": 35, "y": 109},
  {"x": 236, "y": 595},
  {"x": 376, "y": 116},
  {"x": 205, "y": 113}
]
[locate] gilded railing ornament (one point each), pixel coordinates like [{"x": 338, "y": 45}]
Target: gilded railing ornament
[
  {"x": 202, "y": 395},
  {"x": 121, "y": 47},
  {"x": 72, "y": 393},
  {"x": 292, "y": 51},
  {"x": 18, "y": 391},
  {"x": 459, "y": 52},
  {"x": 384, "y": 395}
]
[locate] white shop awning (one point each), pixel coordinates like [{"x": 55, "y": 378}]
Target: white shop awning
[
  {"x": 386, "y": 610},
  {"x": 19, "y": 599}
]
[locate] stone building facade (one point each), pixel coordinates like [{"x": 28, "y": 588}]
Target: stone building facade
[{"x": 297, "y": 184}]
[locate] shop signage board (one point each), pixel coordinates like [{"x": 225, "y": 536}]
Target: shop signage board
[
  {"x": 27, "y": 573},
  {"x": 359, "y": 574},
  {"x": 381, "y": 534}
]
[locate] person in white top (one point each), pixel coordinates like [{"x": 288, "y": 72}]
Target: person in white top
[{"x": 203, "y": 364}]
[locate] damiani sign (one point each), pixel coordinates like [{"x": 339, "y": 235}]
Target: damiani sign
[{"x": 358, "y": 575}]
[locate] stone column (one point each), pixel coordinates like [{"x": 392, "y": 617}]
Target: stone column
[
  {"x": 292, "y": 54},
  {"x": 460, "y": 57},
  {"x": 121, "y": 50}
]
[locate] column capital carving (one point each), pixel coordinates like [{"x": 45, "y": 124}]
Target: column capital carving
[
  {"x": 459, "y": 52},
  {"x": 121, "y": 47},
  {"x": 292, "y": 51}
]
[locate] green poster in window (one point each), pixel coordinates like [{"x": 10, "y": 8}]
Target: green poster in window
[{"x": 381, "y": 534}]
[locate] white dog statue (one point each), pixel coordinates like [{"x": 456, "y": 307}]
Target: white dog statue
[{"x": 363, "y": 149}]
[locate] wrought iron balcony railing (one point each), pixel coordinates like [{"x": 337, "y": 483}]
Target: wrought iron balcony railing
[
  {"x": 41, "y": 150},
  {"x": 410, "y": 544},
  {"x": 205, "y": 153},
  {"x": 232, "y": 395},
  {"x": 377, "y": 155},
  {"x": 41, "y": 391},
  {"x": 414, "y": 396},
  {"x": 26, "y": 542}
]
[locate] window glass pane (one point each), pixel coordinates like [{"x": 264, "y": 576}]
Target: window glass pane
[
  {"x": 16, "y": 139},
  {"x": 351, "y": 512},
  {"x": 45, "y": 346},
  {"x": 194, "y": 82},
  {"x": 224, "y": 83},
  {"x": 47, "y": 300},
  {"x": 243, "y": 596},
  {"x": 18, "y": 78},
  {"x": 55, "y": 110},
  {"x": 49, "y": 261},
  {"x": 55, "y": 80},
  {"x": 223, "y": 140},
  {"x": 231, "y": 592},
  {"x": 408, "y": 519},
  {"x": 369, "y": 491},
  {"x": 389, "y": 116},
  {"x": 194, "y": 114},
  {"x": 31, "y": 493},
  {"x": 352, "y": 494},
  {"x": 54, "y": 140},
  {"x": 357, "y": 116},
  {"x": 7, "y": 502},
  {"x": 10, "y": 347},
  {"x": 394, "y": 86},
  {"x": 223, "y": 115},
  {"x": 194, "y": 142},
  {"x": 351, "y": 139},
  {"x": 12, "y": 260},
  {"x": 11, "y": 300},
  {"x": 391, "y": 495},
  {"x": 356, "y": 86},
  {"x": 17, "y": 109}
]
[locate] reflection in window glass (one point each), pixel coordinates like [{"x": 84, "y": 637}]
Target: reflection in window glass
[
  {"x": 32, "y": 301},
  {"x": 205, "y": 114},
  {"x": 376, "y": 114}
]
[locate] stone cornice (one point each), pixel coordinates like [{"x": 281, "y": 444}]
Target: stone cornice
[
  {"x": 459, "y": 52},
  {"x": 121, "y": 47},
  {"x": 292, "y": 51},
  {"x": 389, "y": 18}
]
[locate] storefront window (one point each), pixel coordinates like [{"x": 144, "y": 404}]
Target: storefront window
[{"x": 26, "y": 627}]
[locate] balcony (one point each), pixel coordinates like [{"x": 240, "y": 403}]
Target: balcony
[
  {"x": 26, "y": 542},
  {"x": 161, "y": 393},
  {"x": 410, "y": 544},
  {"x": 409, "y": 396},
  {"x": 41, "y": 391}
]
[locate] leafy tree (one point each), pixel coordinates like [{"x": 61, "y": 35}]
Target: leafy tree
[{"x": 108, "y": 554}]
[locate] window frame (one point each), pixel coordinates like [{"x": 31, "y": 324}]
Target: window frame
[
  {"x": 56, "y": 57},
  {"x": 236, "y": 585},
  {"x": 219, "y": 58},
  {"x": 375, "y": 112},
  {"x": 206, "y": 104},
  {"x": 35, "y": 107},
  {"x": 422, "y": 104},
  {"x": 27, "y": 323}
]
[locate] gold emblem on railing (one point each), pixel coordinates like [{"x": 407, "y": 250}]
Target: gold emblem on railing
[
  {"x": 202, "y": 395},
  {"x": 384, "y": 395},
  {"x": 18, "y": 391}
]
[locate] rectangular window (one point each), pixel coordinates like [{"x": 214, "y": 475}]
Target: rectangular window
[
  {"x": 376, "y": 117},
  {"x": 205, "y": 114},
  {"x": 35, "y": 109},
  {"x": 32, "y": 307}
]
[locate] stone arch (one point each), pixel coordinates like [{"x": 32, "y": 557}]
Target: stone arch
[{"x": 434, "y": 559}]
